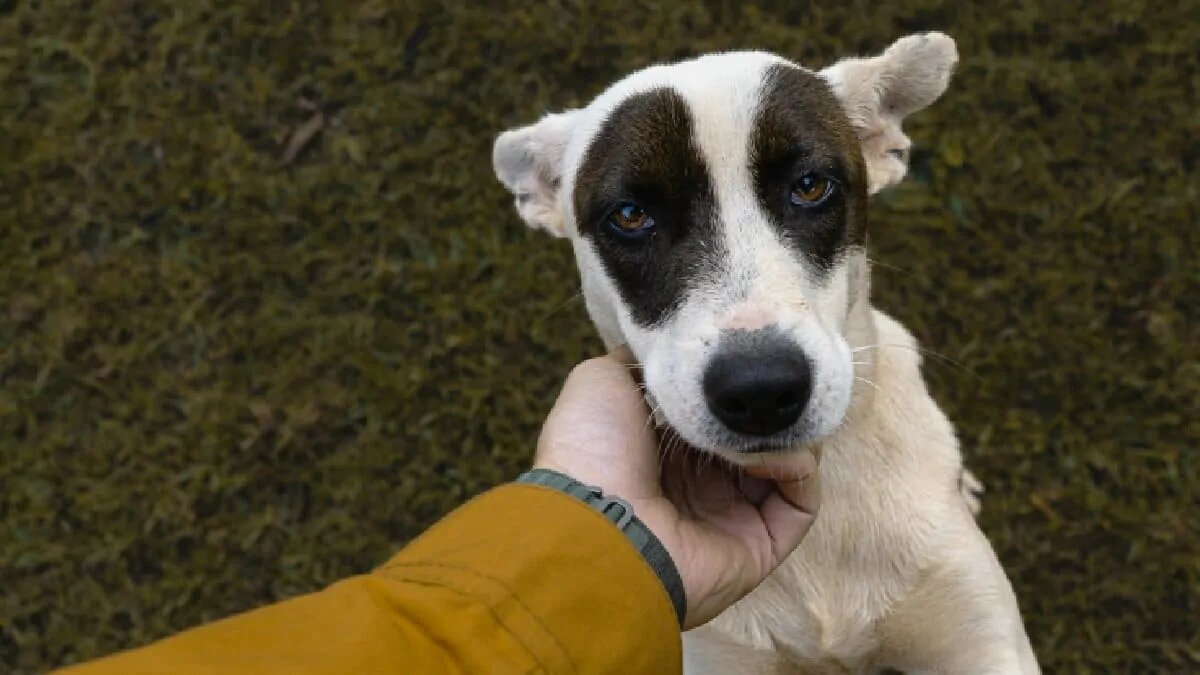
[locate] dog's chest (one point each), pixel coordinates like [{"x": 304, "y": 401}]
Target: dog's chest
[
  {"x": 884, "y": 518},
  {"x": 821, "y": 609}
]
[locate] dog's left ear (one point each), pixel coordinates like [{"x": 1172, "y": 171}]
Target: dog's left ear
[
  {"x": 879, "y": 92},
  {"x": 528, "y": 160}
]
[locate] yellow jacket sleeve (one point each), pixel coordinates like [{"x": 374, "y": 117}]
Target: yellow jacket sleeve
[{"x": 522, "y": 579}]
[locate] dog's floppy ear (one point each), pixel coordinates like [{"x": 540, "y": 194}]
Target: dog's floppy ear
[
  {"x": 879, "y": 92},
  {"x": 529, "y": 161}
]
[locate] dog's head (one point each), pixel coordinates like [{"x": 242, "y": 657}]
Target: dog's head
[{"x": 717, "y": 208}]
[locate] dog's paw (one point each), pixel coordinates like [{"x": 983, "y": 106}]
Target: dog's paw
[{"x": 972, "y": 491}]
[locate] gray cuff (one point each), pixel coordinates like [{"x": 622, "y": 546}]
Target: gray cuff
[{"x": 621, "y": 514}]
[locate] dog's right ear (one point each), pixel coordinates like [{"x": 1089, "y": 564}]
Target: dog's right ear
[
  {"x": 879, "y": 92},
  {"x": 529, "y": 161}
]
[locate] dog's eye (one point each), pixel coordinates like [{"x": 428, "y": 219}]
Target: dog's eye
[
  {"x": 811, "y": 189},
  {"x": 629, "y": 220}
]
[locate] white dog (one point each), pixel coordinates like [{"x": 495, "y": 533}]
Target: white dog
[{"x": 718, "y": 213}]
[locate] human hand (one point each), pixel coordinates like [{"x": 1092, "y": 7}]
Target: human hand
[{"x": 725, "y": 530}]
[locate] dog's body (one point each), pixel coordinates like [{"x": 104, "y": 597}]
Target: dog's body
[
  {"x": 895, "y": 572},
  {"x": 717, "y": 208}
]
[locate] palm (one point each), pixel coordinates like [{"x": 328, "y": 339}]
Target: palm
[{"x": 714, "y": 520}]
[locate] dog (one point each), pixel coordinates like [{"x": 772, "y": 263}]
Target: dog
[{"x": 717, "y": 208}]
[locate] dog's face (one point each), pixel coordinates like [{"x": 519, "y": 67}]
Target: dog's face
[{"x": 717, "y": 209}]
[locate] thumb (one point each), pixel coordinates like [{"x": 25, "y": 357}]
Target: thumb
[
  {"x": 790, "y": 510},
  {"x": 598, "y": 431}
]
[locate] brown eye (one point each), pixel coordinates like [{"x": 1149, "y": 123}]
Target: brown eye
[
  {"x": 811, "y": 189},
  {"x": 629, "y": 220}
]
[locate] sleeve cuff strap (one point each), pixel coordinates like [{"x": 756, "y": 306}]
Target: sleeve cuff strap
[{"x": 620, "y": 513}]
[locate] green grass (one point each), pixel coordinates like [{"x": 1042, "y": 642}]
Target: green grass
[{"x": 227, "y": 379}]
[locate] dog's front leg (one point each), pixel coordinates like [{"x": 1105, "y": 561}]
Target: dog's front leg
[{"x": 961, "y": 619}]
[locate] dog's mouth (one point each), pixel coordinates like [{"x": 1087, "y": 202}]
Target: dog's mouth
[{"x": 762, "y": 448}]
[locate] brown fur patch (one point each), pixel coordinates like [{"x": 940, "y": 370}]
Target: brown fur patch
[
  {"x": 801, "y": 127},
  {"x": 645, "y": 155}
]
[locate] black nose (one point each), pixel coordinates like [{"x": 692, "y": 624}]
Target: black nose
[{"x": 757, "y": 384}]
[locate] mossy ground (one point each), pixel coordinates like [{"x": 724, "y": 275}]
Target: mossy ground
[{"x": 228, "y": 378}]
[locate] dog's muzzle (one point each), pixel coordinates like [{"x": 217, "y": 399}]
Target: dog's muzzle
[{"x": 758, "y": 383}]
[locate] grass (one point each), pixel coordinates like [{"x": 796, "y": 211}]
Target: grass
[{"x": 236, "y": 367}]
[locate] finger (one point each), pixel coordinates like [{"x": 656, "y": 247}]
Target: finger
[
  {"x": 796, "y": 482},
  {"x": 789, "y": 512},
  {"x": 801, "y": 493},
  {"x": 782, "y": 466},
  {"x": 755, "y": 489}
]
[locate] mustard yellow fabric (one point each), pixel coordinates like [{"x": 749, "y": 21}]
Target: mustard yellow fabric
[{"x": 521, "y": 579}]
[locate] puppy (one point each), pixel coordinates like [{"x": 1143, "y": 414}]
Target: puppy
[{"x": 718, "y": 213}]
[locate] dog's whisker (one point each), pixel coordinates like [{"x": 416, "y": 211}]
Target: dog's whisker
[
  {"x": 662, "y": 460},
  {"x": 863, "y": 379},
  {"x": 653, "y": 412},
  {"x": 877, "y": 263},
  {"x": 923, "y": 351},
  {"x": 946, "y": 359},
  {"x": 578, "y": 295},
  {"x": 660, "y": 450},
  {"x": 674, "y": 446},
  {"x": 864, "y": 347}
]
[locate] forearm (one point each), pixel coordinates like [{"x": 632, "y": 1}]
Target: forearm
[{"x": 484, "y": 590}]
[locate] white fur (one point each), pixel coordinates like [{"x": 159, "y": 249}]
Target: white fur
[{"x": 895, "y": 572}]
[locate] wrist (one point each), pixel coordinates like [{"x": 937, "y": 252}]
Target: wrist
[{"x": 621, "y": 514}]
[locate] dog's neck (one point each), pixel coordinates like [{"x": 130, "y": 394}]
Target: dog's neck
[
  {"x": 885, "y": 364},
  {"x": 893, "y": 426}
]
